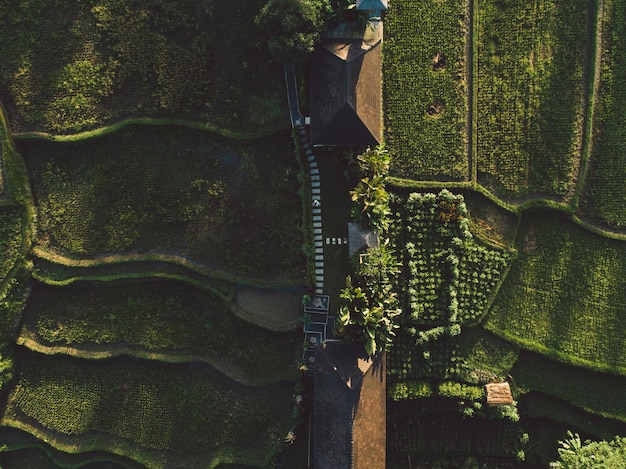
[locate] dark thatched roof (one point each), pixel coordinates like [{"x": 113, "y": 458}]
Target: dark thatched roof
[
  {"x": 346, "y": 92},
  {"x": 375, "y": 5},
  {"x": 349, "y": 409}
]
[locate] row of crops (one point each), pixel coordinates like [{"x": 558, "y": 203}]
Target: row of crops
[
  {"x": 531, "y": 90},
  {"x": 605, "y": 195},
  {"x": 425, "y": 88},
  {"x": 436, "y": 407},
  {"x": 224, "y": 204},
  {"x": 565, "y": 294},
  {"x": 157, "y": 407}
]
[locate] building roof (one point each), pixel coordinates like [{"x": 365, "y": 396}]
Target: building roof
[
  {"x": 376, "y": 5},
  {"x": 349, "y": 408},
  {"x": 498, "y": 394},
  {"x": 346, "y": 92}
]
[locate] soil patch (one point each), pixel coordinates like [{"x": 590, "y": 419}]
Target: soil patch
[{"x": 278, "y": 310}]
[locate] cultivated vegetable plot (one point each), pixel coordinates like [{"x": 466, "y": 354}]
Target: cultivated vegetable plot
[
  {"x": 425, "y": 90},
  {"x": 565, "y": 294},
  {"x": 228, "y": 205},
  {"x": 606, "y": 195},
  {"x": 531, "y": 88},
  {"x": 448, "y": 281},
  {"x": 159, "y": 316},
  {"x": 450, "y": 274},
  {"x": 175, "y": 410}
]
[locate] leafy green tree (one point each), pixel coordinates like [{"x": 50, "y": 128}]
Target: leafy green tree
[
  {"x": 293, "y": 27},
  {"x": 575, "y": 454},
  {"x": 370, "y": 196},
  {"x": 366, "y": 319}
]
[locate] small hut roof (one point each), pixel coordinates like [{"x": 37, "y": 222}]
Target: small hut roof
[
  {"x": 376, "y": 5},
  {"x": 359, "y": 238},
  {"x": 498, "y": 394}
]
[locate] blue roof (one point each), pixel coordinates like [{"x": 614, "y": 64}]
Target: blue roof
[{"x": 371, "y": 4}]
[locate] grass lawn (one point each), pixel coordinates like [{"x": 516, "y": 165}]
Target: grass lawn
[{"x": 228, "y": 205}]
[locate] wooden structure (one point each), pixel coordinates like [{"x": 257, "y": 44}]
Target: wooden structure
[{"x": 498, "y": 394}]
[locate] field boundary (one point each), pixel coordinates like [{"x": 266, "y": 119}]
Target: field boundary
[
  {"x": 554, "y": 353},
  {"x": 119, "y": 259},
  {"x": 166, "y": 356},
  {"x": 593, "y": 90},
  {"x": 516, "y": 208},
  {"x": 100, "y": 131},
  {"x": 50, "y": 452}
]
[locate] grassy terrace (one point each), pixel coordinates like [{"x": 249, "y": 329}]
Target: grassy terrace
[
  {"x": 69, "y": 66},
  {"x": 159, "y": 316},
  {"x": 564, "y": 295},
  {"x": 605, "y": 200},
  {"x": 172, "y": 190},
  {"x": 531, "y": 90},
  {"x": 426, "y": 97},
  {"x": 159, "y": 415}
]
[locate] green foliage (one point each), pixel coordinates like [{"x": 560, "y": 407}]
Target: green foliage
[
  {"x": 530, "y": 94},
  {"x": 606, "y": 196},
  {"x": 409, "y": 389},
  {"x": 425, "y": 145},
  {"x": 562, "y": 295},
  {"x": 461, "y": 391},
  {"x": 575, "y": 454},
  {"x": 368, "y": 316},
  {"x": 176, "y": 411},
  {"x": 73, "y": 65},
  {"x": 370, "y": 196},
  {"x": 159, "y": 316},
  {"x": 227, "y": 205},
  {"x": 292, "y": 26}
]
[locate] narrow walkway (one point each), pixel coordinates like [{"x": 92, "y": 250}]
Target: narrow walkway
[{"x": 297, "y": 122}]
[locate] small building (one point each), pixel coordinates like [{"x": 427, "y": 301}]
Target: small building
[
  {"x": 498, "y": 394},
  {"x": 346, "y": 92},
  {"x": 349, "y": 408},
  {"x": 372, "y": 5}
]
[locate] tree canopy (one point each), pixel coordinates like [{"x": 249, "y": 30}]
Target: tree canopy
[{"x": 293, "y": 27}]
